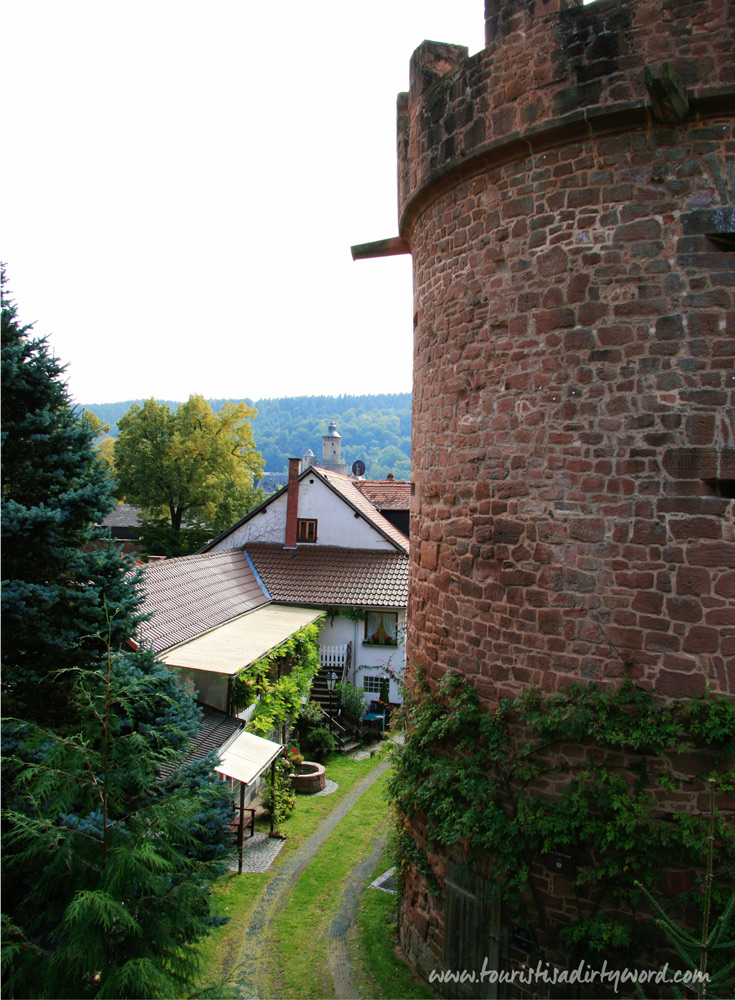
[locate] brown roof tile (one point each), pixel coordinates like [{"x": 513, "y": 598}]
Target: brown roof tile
[
  {"x": 326, "y": 575},
  {"x": 216, "y": 728},
  {"x": 193, "y": 594}
]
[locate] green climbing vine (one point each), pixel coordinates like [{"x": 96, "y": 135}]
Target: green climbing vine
[
  {"x": 279, "y": 798},
  {"x": 278, "y": 681},
  {"x": 584, "y": 774}
]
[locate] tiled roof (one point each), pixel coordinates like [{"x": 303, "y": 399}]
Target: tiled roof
[
  {"x": 123, "y": 515},
  {"x": 386, "y": 494},
  {"x": 215, "y": 730},
  {"x": 193, "y": 594},
  {"x": 347, "y": 488},
  {"x": 326, "y": 575}
]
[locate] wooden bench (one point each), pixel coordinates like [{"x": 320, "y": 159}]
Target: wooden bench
[{"x": 248, "y": 824}]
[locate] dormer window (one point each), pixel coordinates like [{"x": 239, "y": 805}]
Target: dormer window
[{"x": 306, "y": 530}]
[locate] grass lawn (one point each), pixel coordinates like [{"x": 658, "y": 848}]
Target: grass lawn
[
  {"x": 299, "y": 946},
  {"x": 380, "y": 972},
  {"x": 296, "y": 953},
  {"x": 235, "y": 896}
]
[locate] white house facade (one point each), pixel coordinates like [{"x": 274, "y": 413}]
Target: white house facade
[{"x": 320, "y": 543}]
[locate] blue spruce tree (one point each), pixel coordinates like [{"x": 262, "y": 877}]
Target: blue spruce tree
[{"x": 108, "y": 864}]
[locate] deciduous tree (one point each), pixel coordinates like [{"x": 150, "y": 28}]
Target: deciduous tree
[{"x": 191, "y": 466}]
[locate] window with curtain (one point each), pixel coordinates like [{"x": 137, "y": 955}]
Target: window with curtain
[{"x": 381, "y": 628}]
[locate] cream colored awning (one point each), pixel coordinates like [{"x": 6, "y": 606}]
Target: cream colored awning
[
  {"x": 229, "y": 648},
  {"x": 246, "y": 756}
]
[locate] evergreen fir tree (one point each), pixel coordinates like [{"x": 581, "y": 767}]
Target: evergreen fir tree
[
  {"x": 58, "y": 584},
  {"x": 107, "y": 864}
]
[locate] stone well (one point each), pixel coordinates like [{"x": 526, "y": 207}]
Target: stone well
[{"x": 310, "y": 778}]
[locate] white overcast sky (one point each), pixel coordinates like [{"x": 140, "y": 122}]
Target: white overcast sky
[{"x": 181, "y": 183}]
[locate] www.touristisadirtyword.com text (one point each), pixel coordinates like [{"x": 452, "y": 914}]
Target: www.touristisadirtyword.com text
[{"x": 582, "y": 974}]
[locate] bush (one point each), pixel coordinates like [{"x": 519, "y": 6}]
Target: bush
[
  {"x": 310, "y": 717},
  {"x": 352, "y": 699},
  {"x": 318, "y": 744}
]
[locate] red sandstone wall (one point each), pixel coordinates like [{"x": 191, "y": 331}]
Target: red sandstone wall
[
  {"x": 574, "y": 383},
  {"x": 553, "y": 63}
]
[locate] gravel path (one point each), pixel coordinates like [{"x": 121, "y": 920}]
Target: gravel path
[{"x": 250, "y": 965}]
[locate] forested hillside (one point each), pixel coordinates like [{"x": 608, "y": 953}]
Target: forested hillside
[{"x": 375, "y": 429}]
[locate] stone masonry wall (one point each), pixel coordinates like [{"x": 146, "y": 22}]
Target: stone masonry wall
[
  {"x": 573, "y": 451},
  {"x": 574, "y": 382}
]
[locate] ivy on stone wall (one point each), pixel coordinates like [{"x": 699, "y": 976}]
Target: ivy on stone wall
[
  {"x": 278, "y": 681},
  {"x": 585, "y": 774}
]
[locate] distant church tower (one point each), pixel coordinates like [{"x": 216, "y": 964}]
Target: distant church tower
[{"x": 331, "y": 446}]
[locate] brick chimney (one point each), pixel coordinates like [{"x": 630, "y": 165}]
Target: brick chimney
[{"x": 292, "y": 502}]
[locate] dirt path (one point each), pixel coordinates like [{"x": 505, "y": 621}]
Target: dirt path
[
  {"x": 251, "y": 979},
  {"x": 339, "y": 959}
]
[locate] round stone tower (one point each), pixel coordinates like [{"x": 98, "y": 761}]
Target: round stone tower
[
  {"x": 573, "y": 431},
  {"x": 568, "y": 198},
  {"x": 331, "y": 444}
]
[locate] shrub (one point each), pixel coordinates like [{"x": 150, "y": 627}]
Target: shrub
[
  {"x": 279, "y": 799},
  {"x": 294, "y": 757},
  {"x": 310, "y": 717},
  {"x": 318, "y": 744},
  {"x": 352, "y": 699}
]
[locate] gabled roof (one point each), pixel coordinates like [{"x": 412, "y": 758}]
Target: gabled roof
[
  {"x": 194, "y": 594},
  {"x": 346, "y": 489},
  {"x": 327, "y": 575},
  {"x": 386, "y": 494}
]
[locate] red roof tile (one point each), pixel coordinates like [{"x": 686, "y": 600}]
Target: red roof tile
[
  {"x": 326, "y": 575},
  {"x": 193, "y": 594},
  {"x": 386, "y": 494}
]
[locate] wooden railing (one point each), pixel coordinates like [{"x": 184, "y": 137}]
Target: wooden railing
[{"x": 337, "y": 658}]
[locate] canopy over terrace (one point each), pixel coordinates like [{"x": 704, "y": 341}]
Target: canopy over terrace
[
  {"x": 210, "y": 660},
  {"x": 244, "y": 758}
]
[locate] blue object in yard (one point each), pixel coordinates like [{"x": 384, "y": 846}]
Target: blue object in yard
[{"x": 372, "y": 716}]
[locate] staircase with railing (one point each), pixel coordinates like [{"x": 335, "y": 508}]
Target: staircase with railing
[
  {"x": 332, "y": 660},
  {"x": 336, "y": 660}
]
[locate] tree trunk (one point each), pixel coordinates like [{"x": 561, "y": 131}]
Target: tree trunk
[{"x": 175, "y": 518}]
